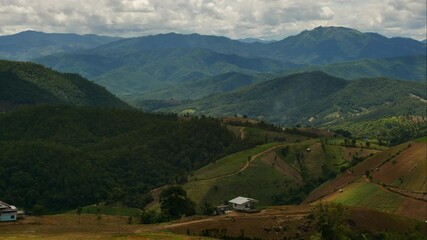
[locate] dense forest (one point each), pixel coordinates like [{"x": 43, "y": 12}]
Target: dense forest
[
  {"x": 23, "y": 83},
  {"x": 62, "y": 157}
]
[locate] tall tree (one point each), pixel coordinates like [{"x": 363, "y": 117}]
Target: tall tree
[
  {"x": 175, "y": 203},
  {"x": 329, "y": 221}
]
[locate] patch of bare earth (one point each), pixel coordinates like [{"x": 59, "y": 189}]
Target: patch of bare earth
[{"x": 291, "y": 222}]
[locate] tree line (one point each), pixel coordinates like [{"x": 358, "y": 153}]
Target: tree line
[{"x": 62, "y": 157}]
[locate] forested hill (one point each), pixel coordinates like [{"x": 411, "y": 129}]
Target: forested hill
[
  {"x": 140, "y": 65},
  {"x": 29, "y": 84},
  {"x": 64, "y": 157},
  {"x": 316, "y": 98}
]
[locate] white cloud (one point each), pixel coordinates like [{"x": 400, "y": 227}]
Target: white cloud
[{"x": 269, "y": 19}]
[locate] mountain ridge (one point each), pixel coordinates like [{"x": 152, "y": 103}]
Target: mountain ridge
[
  {"x": 316, "y": 98},
  {"x": 25, "y": 83},
  {"x": 130, "y": 62},
  {"x": 30, "y": 44}
]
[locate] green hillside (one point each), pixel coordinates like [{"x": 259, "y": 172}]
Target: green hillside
[
  {"x": 29, "y": 84},
  {"x": 395, "y": 129},
  {"x": 411, "y": 68},
  {"x": 62, "y": 157},
  {"x": 315, "y": 98},
  {"x": 277, "y": 100},
  {"x": 275, "y": 173},
  {"x": 393, "y": 181},
  {"x": 182, "y": 92}
]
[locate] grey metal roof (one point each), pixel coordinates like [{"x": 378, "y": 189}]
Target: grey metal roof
[{"x": 242, "y": 200}]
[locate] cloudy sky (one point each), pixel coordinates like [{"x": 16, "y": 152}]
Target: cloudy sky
[{"x": 265, "y": 19}]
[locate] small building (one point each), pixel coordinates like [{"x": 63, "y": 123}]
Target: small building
[
  {"x": 7, "y": 212},
  {"x": 243, "y": 204},
  {"x": 222, "y": 209}
]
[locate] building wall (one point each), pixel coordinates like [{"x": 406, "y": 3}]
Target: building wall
[
  {"x": 8, "y": 216},
  {"x": 240, "y": 207}
]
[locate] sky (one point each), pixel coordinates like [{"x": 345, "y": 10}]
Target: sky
[{"x": 237, "y": 19}]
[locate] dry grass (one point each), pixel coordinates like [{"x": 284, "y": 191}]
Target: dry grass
[{"x": 67, "y": 226}]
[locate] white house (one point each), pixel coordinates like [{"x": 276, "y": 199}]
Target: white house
[
  {"x": 7, "y": 212},
  {"x": 243, "y": 204}
]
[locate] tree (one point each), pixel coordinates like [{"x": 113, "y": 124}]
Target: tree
[
  {"x": 79, "y": 212},
  {"x": 38, "y": 209},
  {"x": 329, "y": 221},
  {"x": 174, "y": 202}
]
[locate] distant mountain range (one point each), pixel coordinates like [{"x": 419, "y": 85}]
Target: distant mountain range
[
  {"x": 255, "y": 40},
  {"x": 28, "y": 45},
  {"x": 403, "y": 68},
  {"x": 220, "y": 76},
  {"x": 412, "y": 68},
  {"x": 33, "y": 84},
  {"x": 138, "y": 65},
  {"x": 315, "y": 98}
]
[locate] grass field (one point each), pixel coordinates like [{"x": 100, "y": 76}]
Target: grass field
[
  {"x": 260, "y": 181},
  {"x": 111, "y": 210},
  {"x": 368, "y": 195},
  {"x": 333, "y": 157},
  {"x": 229, "y": 164},
  {"x": 257, "y": 180},
  {"x": 422, "y": 139},
  {"x": 87, "y": 227}
]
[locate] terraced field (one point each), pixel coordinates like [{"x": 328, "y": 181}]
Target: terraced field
[
  {"x": 393, "y": 181},
  {"x": 406, "y": 170}
]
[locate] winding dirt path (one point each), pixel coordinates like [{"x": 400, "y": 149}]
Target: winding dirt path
[
  {"x": 244, "y": 167},
  {"x": 391, "y": 189},
  {"x": 242, "y": 133}
]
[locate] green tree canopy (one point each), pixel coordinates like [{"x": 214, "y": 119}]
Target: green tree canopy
[
  {"x": 329, "y": 221},
  {"x": 174, "y": 202}
]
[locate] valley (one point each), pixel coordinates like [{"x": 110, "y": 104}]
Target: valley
[{"x": 322, "y": 134}]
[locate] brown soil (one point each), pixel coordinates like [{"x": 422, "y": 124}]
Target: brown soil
[
  {"x": 274, "y": 223},
  {"x": 413, "y": 208},
  {"x": 291, "y": 222},
  {"x": 403, "y": 165},
  {"x": 371, "y": 163}
]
